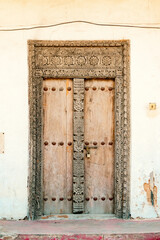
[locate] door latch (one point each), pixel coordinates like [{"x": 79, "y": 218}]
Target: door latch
[{"x": 87, "y": 148}]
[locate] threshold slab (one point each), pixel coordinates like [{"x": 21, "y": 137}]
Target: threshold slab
[{"x": 80, "y": 229}]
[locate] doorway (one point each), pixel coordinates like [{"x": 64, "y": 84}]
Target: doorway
[{"x": 79, "y": 143}]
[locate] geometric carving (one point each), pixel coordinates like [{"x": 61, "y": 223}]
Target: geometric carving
[
  {"x": 83, "y": 60},
  {"x": 78, "y": 146}
]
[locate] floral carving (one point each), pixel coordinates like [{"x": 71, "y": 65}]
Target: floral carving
[
  {"x": 106, "y": 60},
  {"x": 81, "y": 60},
  {"x": 94, "y": 60},
  {"x": 68, "y": 60},
  {"x": 55, "y": 60},
  {"x": 78, "y": 137}
]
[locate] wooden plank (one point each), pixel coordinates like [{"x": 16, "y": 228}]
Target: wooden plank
[
  {"x": 56, "y": 181},
  {"x": 99, "y": 128},
  {"x": 69, "y": 147}
]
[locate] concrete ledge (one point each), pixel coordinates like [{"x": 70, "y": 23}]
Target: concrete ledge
[{"x": 80, "y": 229}]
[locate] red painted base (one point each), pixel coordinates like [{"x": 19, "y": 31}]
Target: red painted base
[{"x": 144, "y": 236}]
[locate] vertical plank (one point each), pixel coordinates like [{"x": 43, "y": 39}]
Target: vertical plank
[
  {"x": 99, "y": 132},
  {"x": 55, "y": 147},
  {"x": 69, "y": 147},
  {"x": 78, "y": 138}
]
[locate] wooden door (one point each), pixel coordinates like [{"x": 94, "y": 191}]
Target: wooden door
[
  {"x": 99, "y": 138},
  {"x": 98, "y": 143},
  {"x": 58, "y": 141}
]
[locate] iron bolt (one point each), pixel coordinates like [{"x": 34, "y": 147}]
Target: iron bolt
[{"x": 69, "y": 199}]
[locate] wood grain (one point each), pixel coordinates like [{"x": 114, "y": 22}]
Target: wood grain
[
  {"x": 58, "y": 160},
  {"x": 99, "y": 127},
  {"x": 57, "y": 105}
]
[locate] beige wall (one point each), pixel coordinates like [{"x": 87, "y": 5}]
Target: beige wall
[
  {"x": 29, "y": 12},
  {"x": 145, "y": 86}
]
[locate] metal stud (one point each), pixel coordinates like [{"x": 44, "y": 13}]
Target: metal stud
[
  {"x": 69, "y": 199},
  {"x": 53, "y": 89},
  {"x": 61, "y": 199},
  {"x": 95, "y": 198},
  {"x": 94, "y": 88},
  {"x": 45, "y": 143},
  {"x": 103, "y": 198},
  {"x": 45, "y": 199},
  {"x": 69, "y": 88},
  {"x": 94, "y": 143},
  {"x": 102, "y": 88},
  {"x": 111, "y": 198},
  {"x": 53, "y": 143},
  {"x": 86, "y": 88},
  {"x": 61, "y": 143},
  {"x": 45, "y": 88},
  {"x": 110, "y": 88},
  {"x": 69, "y": 143},
  {"x": 53, "y": 199},
  {"x": 61, "y": 89},
  {"x": 87, "y": 199},
  {"x": 102, "y": 143}
]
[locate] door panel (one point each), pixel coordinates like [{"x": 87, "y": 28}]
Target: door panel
[
  {"x": 58, "y": 149},
  {"x": 99, "y": 132},
  {"x": 98, "y": 142}
]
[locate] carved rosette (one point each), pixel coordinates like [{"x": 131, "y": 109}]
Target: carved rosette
[{"x": 78, "y": 140}]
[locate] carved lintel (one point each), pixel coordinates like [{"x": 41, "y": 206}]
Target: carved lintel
[{"x": 78, "y": 138}]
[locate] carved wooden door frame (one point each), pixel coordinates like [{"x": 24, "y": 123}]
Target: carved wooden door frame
[{"x": 80, "y": 59}]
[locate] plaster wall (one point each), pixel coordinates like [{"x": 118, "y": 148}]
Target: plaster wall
[{"x": 145, "y": 87}]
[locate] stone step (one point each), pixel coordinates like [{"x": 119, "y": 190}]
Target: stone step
[{"x": 84, "y": 229}]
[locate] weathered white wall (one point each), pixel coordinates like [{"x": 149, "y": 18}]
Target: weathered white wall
[{"x": 145, "y": 86}]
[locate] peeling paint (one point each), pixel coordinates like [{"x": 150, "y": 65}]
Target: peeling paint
[{"x": 151, "y": 190}]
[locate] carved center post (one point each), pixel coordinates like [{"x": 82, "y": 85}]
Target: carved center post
[{"x": 78, "y": 139}]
